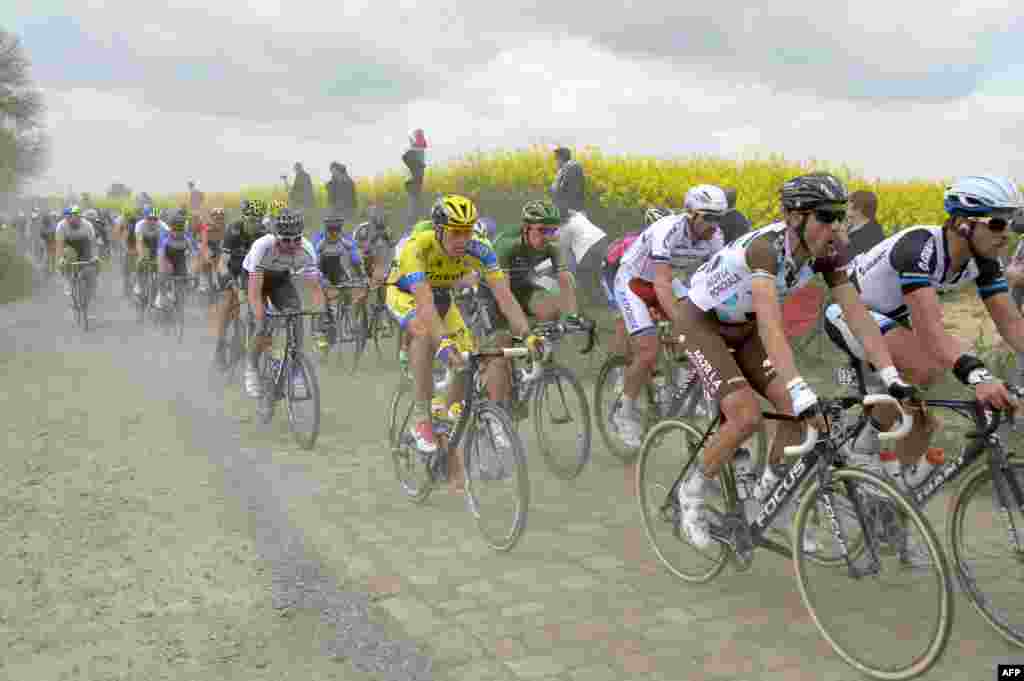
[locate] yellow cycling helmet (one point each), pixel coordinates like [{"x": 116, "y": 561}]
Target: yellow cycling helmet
[
  {"x": 454, "y": 212},
  {"x": 276, "y": 206}
]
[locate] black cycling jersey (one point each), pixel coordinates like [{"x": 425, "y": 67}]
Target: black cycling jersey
[{"x": 237, "y": 242}]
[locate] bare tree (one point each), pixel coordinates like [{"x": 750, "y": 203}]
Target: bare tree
[{"x": 23, "y": 141}]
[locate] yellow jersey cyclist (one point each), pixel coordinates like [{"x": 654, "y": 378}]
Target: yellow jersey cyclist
[
  {"x": 269, "y": 264},
  {"x": 897, "y": 281},
  {"x": 735, "y": 339},
  {"x": 646, "y": 287},
  {"x": 427, "y": 265}
]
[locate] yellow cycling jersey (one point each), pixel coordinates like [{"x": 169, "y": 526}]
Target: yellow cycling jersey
[{"x": 421, "y": 258}]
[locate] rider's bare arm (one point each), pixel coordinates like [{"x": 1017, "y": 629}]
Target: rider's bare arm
[
  {"x": 256, "y": 296},
  {"x": 508, "y": 304},
  {"x": 1007, "y": 319},
  {"x": 862, "y": 324},
  {"x": 926, "y": 316},
  {"x": 663, "y": 289},
  {"x": 568, "y": 291},
  {"x": 770, "y": 328}
]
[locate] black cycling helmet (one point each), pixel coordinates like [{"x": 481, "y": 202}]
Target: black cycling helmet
[
  {"x": 178, "y": 218},
  {"x": 289, "y": 223},
  {"x": 808, "y": 192},
  {"x": 334, "y": 223}
]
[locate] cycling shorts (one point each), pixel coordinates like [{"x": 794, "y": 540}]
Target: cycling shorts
[
  {"x": 178, "y": 260},
  {"x": 725, "y": 356},
  {"x": 332, "y": 271},
  {"x": 283, "y": 296},
  {"x": 402, "y": 307},
  {"x": 636, "y": 300}
]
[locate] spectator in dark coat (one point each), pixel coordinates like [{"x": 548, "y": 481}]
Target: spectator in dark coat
[
  {"x": 301, "y": 195},
  {"x": 341, "y": 192},
  {"x": 568, "y": 189},
  {"x": 734, "y": 223},
  {"x": 862, "y": 232}
]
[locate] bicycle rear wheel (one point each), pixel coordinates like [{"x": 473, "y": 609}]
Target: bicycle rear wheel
[
  {"x": 670, "y": 448},
  {"x": 608, "y": 399},
  {"x": 303, "y": 400},
  {"x": 910, "y": 610},
  {"x": 496, "y": 479},
  {"x": 561, "y": 419},
  {"x": 988, "y": 551},
  {"x": 410, "y": 468}
]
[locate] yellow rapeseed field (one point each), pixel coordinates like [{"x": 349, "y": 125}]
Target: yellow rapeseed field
[{"x": 618, "y": 186}]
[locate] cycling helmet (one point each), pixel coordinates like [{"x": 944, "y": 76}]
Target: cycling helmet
[
  {"x": 486, "y": 228},
  {"x": 276, "y": 206},
  {"x": 73, "y": 210},
  {"x": 541, "y": 212},
  {"x": 178, "y": 218},
  {"x": 91, "y": 214},
  {"x": 706, "y": 198},
  {"x": 148, "y": 212},
  {"x": 980, "y": 195},
  {"x": 334, "y": 223},
  {"x": 254, "y": 208},
  {"x": 808, "y": 192},
  {"x": 362, "y": 233},
  {"x": 454, "y": 211},
  {"x": 288, "y": 223},
  {"x": 655, "y": 213}
]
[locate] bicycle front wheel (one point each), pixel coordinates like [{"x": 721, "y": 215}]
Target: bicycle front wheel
[
  {"x": 671, "y": 449},
  {"x": 561, "y": 418},
  {"x": 411, "y": 470},
  {"x": 988, "y": 551},
  {"x": 303, "y": 400},
  {"x": 496, "y": 479},
  {"x": 607, "y": 401},
  {"x": 892, "y": 611}
]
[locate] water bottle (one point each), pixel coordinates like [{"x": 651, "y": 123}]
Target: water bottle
[
  {"x": 919, "y": 472},
  {"x": 743, "y": 467}
]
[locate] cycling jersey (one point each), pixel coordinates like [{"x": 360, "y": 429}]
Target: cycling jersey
[
  {"x": 266, "y": 256},
  {"x": 519, "y": 260},
  {"x": 422, "y": 259},
  {"x": 725, "y": 283},
  {"x": 915, "y": 258},
  {"x": 342, "y": 247},
  {"x": 81, "y": 238},
  {"x": 577, "y": 236},
  {"x": 150, "y": 231},
  {"x": 237, "y": 242},
  {"x": 174, "y": 245},
  {"x": 668, "y": 241}
]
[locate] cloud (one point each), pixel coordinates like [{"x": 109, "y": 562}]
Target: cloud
[{"x": 233, "y": 93}]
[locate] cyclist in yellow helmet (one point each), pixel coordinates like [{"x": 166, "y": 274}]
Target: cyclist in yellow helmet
[{"x": 428, "y": 265}]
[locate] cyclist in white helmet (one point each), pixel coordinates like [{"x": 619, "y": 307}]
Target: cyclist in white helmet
[
  {"x": 646, "y": 286},
  {"x": 898, "y": 278}
]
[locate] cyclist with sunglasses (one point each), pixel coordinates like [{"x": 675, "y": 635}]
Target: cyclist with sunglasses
[
  {"x": 645, "y": 281},
  {"x": 269, "y": 264},
  {"x": 339, "y": 261},
  {"x": 898, "y": 281},
  {"x": 734, "y": 336}
]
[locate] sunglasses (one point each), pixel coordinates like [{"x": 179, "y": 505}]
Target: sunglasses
[
  {"x": 290, "y": 239},
  {"x": 713, "y": 218},
  {"x": 993, "y": 224},
  {"x": 829, "y": 217}
]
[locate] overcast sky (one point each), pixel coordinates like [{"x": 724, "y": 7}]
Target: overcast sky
[{"x": 232, "y": 93}]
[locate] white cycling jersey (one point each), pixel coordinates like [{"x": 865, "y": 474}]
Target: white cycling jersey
[
  {"x": 668, "y": 241},
  {"x": 84, "y": 232},
  {"x": 725, "y": 283},
  {"x": 266, "y": 255},
  {"x": 914, "y": 258},
  {"x": 578, "y": 235}
]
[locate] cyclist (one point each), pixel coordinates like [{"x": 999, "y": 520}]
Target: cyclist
[
  {"x": 148, "y": 232},
  {"x": 211, "y": 236},
  {"x": 734, "y": 303},
  {"x": 238, "y": 240},
  {"x": 99, "y": 223},
  {"x": 124, "y": 230},
  {"x": 645, "y": 281},
  {"x": 269, "y": 264},
  {"x": 898, "y": 281},
  {"x": 339, "y": 260},
  {"x": 375, "y": 247},
  {"x": 429, "y": 263},
  {"x": 78, "y": 234},
  {"x": 610, "y": 267},
  {"x": 174, "y": 253}
]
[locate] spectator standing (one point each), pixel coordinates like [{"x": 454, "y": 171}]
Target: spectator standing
[
  {"x": 734, "y": 223},
  {"x": 300, "y": 197},
  {"x": 341, "y": 192},
  {"x": 862, "y": 232},
  {"x": 196, "y": 199},
  {"x": 415, "y": 159},
  {"x": 568, "y": 191}
]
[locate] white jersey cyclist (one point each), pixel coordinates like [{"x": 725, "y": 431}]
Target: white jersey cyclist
[
  {"x": 725, "y": 283},
  {"x": 265, "y": 256},
  {"x": 912, "y": 259}
]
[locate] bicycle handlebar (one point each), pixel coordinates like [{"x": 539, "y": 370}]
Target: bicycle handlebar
[{"x": 905, "y": 424}]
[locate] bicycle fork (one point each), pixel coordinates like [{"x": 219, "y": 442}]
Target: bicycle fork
[{"x": 1009, "y": 497}]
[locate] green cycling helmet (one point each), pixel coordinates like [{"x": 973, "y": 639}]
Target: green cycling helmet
[{"x": 541, "y": 212}]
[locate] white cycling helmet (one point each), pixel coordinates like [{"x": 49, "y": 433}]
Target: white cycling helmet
[
  {"x": 91, "y": 214},
  {"x": 706, "y": 198},
  {"x": 979, "y": 195}
]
